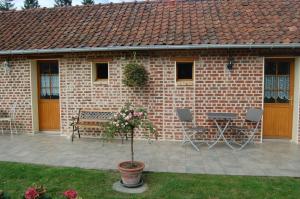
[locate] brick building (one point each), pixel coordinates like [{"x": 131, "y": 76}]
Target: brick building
[{"x": 58, "y": 60}]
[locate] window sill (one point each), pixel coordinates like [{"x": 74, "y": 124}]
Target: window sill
[
  {"x": 184, "y": 82},
  {"x": 101, "y": 82}
]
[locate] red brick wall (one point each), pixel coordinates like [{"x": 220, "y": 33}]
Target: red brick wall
[
  {"x": 214, "y": 88},
  {"x": 15, "y": 87}
]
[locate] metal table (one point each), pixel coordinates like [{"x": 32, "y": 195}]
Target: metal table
[{"x": 221, "y": 117}]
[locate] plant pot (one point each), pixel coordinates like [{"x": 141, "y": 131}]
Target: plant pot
[{"x": 131, "y": 176}]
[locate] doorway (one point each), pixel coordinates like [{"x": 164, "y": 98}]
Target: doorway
[
  {"x": 48, "y": 95},
  {"x": 278, "y": 98}
]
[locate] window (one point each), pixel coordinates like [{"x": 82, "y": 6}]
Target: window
[
  {"x": 184, "y": 70},
  {"x": 277, "y": 81},
  {"x": 49, "y": 80},
  {"x": 101, "y": 71}
]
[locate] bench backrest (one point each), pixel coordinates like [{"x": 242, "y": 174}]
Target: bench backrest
[{"x": 94, "y": 116}]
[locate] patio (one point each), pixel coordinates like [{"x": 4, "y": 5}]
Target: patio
[{"x": 272, "y": 158}]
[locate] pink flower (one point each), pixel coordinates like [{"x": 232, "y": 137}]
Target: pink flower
[
  {"x": 31, "y": 193},
  {"x": 70, "y": 194},
  {"x": 138, "y": 114},
  {"x": 128, "y": 117}
]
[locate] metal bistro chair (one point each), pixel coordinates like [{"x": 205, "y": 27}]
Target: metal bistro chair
[
  {"x": 189, "y": 128},
  {"x": 11, "y": 118},
  {"x": 254, "y": 116}
]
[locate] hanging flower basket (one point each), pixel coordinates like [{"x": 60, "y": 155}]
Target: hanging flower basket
[{"x": 135, "y": 75}]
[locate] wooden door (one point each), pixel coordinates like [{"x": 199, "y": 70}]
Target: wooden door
[
  {"x": 48, "y": 92},
  {"x": 278, "y": 98}
]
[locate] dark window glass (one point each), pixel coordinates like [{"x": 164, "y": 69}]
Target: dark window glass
[
  {"x": 102, "y": 70},
  {"x": 44, "y": 68},
  {"x": 283, "y": 68},
  {"x": 270, "y": 68},
  {"x": 54, "y": 68},
  {"x": 184, "y": 70},
  {"x": 54, "y": 96}
]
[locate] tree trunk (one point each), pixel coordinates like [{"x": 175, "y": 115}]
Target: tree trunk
[{"x": 132, "y": 154}]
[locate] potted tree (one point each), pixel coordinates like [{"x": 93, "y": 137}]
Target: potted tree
[{"x": 127, "y": 121}]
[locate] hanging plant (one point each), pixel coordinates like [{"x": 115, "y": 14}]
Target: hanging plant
[{"x": 135, "y": 75}]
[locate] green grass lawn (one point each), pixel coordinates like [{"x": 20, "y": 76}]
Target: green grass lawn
[{"x": 15, "y": 178}]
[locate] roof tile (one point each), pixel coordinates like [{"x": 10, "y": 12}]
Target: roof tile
[{"x": 176, "y": 22}]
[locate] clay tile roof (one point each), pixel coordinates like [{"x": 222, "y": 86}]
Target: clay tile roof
[{"x": 149, "y": 23}]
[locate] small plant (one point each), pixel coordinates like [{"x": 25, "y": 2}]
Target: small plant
[
  {"x": 135, "y": 75},
  {"x": 127, "y": 120},
  {"x": 71, "y": 194},
  {"x": 31, "y": 193},
  {"x": 4, "y": 195},
  {"x": 36, "y": 192}
]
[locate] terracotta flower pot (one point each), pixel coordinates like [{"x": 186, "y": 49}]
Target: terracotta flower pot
[{"x": 131, "y": 176}]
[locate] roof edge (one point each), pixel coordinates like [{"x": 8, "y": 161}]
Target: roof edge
[{"x": 152, "y": 47}]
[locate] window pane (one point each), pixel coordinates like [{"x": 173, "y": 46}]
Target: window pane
[
  {"x": 283, "y": 68},
  {"x": 270, "y": 82},
  {"x": 54, "y": 81},
  {"x": 45, "y": 93},
  {"x": 269, "y": 100},
  {"x": 270, "y": 96},
  {"x": 45, "y": 80},
  {"x": 277, "y": 82},
  {"x": 44, "y": 68},
  {"x": 55, "y": 93},
  {"x": 54, "y": 69},
  {"x": 102, "y": 70},
  {"x": 270, "y": 68},
  {"x": 184, "y": 70},
  {"x": 283, "y": 97},
  {"x": 283, "y": 82}
]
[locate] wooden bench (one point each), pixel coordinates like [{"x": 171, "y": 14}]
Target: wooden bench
[{"x": 92, "y": 119}]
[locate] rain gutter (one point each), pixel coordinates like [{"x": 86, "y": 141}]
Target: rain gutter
[{"x": 150, "y": 47}]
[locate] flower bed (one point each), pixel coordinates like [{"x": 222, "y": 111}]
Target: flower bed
[{"x": 40, "y": 192}]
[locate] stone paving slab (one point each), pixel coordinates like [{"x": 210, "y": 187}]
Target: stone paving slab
[{"x": 266, "y": 159}]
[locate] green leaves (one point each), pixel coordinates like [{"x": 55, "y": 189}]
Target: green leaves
[
  {"x": 6, "y": 5},
  {"x": 88, "y": 2},
  {"x": 29, "y": 4},
  {"x": 62, "y": 3},
  {"x": 4, "y": 195},
  {"x": 135, "y": 75}
]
